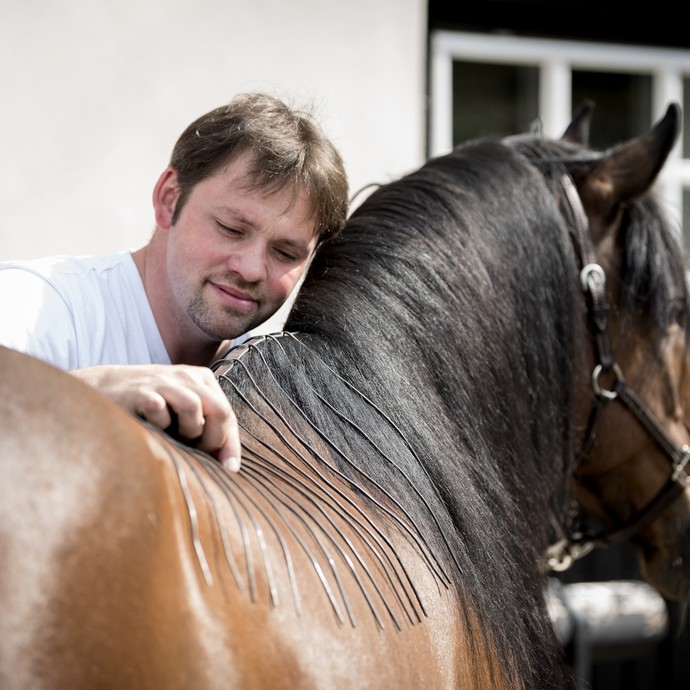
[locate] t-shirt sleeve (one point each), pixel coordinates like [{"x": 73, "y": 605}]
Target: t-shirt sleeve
[{"x": 36, "y": 319}]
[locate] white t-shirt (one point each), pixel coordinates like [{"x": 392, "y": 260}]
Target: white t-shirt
[{"x": 77, "y": 312}]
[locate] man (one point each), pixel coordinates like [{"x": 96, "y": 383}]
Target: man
[{"x": 250, "y": 191}]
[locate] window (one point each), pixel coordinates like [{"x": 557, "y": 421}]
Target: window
[{"x": 501, "y": 84}]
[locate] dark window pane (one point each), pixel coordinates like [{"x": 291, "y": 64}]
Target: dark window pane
[
  {"x": 686, "y": 119},
  {"x": 685, "y": 218},
  {"x": 623, "y": 104},
  {"x": 493, "y": 99}
]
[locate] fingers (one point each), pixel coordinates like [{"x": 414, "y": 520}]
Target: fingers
[
  {"x": 184, "y": 403},
  {"x": 152, "y": 407},
  {"x": 205, "y": 416},
  {"x": 230, "y": 450},
  {"x": 221, "y": 434},
  {"x": 189, "y": 397}
]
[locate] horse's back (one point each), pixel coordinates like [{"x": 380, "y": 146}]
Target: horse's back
[
  {"x": 114, "y": 544},
  {"x": 93, "y": 575}
]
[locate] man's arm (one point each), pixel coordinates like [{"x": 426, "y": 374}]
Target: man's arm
[
  {"x": 36, "y": 319},
  {"x": 192, "y": 394}
]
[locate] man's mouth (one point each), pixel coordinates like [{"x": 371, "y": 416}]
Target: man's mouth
[{"x": 235, "y": 298}]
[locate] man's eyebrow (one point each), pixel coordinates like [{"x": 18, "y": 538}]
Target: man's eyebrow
[
  {"x": 293, "y": 244},
  {"x": 236, "y": 216},
  {"x": 239, "y": 217}
]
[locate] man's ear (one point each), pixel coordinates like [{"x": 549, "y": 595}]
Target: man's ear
[{"x": 165, "y": 196}]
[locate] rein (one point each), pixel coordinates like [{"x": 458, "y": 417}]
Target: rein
[{"x": 575, "y": 544}]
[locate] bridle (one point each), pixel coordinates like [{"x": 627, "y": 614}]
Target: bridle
[{"x": 576, "y": 543}]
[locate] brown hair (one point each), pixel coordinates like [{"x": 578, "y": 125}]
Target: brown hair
[{"x": 287, "y": 149}]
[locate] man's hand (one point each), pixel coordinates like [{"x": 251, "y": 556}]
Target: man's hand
[{"x": 161, "y": 394}]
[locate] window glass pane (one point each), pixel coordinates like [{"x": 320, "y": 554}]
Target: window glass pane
[
  {"x": 491, "y": 99},
  {"x": 686, "y": 123},
  {"x": 623, "y": 104},
  {"x": 685, "y": 218}
]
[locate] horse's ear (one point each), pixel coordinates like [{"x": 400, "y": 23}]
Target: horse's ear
[
  {"x": 577, "y": 131},
  {"x": 630, "y": 168},
  {"x": 624, "y": 172}
]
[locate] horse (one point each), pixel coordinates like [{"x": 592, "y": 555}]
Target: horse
[{"x": 494, "y": 338}]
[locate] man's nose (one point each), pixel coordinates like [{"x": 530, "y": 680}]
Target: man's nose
[{"x": 249, "y": 261}]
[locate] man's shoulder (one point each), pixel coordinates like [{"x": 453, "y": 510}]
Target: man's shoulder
[
  {"x": 63, "y": 271},
  {"x": 68, "y": 265},
  {"x": 78, "y": 311}
]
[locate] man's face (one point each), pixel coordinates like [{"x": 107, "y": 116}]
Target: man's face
[{"x": 234, "y": 255}]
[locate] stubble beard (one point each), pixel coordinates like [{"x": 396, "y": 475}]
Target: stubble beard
[{"x": 217, "y": 323}]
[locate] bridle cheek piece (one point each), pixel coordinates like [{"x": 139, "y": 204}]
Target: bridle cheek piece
[{"x": 574, "y": 544}]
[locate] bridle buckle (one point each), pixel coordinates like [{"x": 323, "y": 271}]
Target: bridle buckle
[
  {"x": 592, "y": 277},
  {"x": 679, "y": 474}
]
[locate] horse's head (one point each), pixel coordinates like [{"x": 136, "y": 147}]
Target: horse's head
[{"x": 632, "y": 437}]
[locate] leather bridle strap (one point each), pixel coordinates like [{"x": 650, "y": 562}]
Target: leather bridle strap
[
  {"x": 676, "y": 483},
  {"x": 592, "y": 276},
  {"x": 593, "y": 282}
]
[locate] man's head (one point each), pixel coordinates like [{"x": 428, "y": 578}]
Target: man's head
[
  {"x": 287, "y": 150},
  {"x": 251, "y": 190}
]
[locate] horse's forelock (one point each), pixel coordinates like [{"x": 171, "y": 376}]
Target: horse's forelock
[{"x": 653, "y": 274}]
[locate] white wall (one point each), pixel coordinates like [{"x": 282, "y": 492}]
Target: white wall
[{"x": 94, "y": 94}]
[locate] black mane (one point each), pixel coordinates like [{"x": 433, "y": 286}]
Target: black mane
[
  {"x": 440, "y": 306},
  {"x": 434, "y": 353}
]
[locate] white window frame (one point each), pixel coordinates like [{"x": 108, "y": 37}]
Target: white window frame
[{"x": 555, "y": 60}]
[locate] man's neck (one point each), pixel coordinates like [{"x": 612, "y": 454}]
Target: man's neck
[
  {"x": 200, "y": 355},
  {"x": 182, "y": 347}
]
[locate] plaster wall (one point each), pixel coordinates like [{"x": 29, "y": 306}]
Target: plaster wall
[{"x": 95, "y": 93}]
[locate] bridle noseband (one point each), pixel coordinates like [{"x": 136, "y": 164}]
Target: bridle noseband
[{"x": 574, "y": 544}]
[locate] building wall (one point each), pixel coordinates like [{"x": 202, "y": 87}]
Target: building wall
[{"x": 95, "y": 93}]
